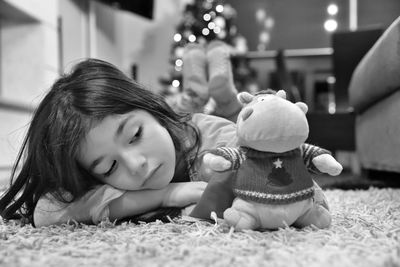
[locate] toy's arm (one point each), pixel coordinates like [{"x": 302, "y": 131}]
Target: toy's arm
[
  {"x": 224, "y": 158},
  {"x": 319, "y": 160}
]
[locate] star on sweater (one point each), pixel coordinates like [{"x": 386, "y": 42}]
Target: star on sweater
[{"x": 278, "y": 163}]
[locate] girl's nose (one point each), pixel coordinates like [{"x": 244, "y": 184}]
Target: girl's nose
[{"x": 136, "y": 163}]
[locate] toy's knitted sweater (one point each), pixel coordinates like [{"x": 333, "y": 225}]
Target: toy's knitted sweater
[{"x": 271, "y": 178}]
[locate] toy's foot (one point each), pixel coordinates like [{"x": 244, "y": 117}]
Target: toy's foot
[
  {"x": 239, "y": 220},
  {"x": 317, "y": 216}
]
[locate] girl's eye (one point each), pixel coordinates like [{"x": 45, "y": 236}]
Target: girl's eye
[
  {"x": 137, "y": 135},
  {"x": 111, "y": 170}
]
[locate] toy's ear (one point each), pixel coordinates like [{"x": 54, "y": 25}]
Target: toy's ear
[
  {"x": 281, "y": 93},
  {"x": 245, "y": 97},
  {"x": 302, "y": 106}
]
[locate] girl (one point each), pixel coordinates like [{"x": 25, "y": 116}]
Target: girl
[
  {"x": 95, "y": 134},
  {"x": 101, "y": 146}
]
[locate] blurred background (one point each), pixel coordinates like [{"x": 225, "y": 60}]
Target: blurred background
[{"x": 307, "y": 47}]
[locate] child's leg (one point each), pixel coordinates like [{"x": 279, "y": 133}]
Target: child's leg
[
  {"x": 221, "y": 85},
  {"x": 195, "y": 87}
]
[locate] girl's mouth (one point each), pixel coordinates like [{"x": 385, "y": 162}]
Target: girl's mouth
[{"x": 149, "y": 178}]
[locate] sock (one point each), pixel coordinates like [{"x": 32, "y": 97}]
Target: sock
[
  {"x": 195, "y": 87},
  {"x": 221, "y": 85}
]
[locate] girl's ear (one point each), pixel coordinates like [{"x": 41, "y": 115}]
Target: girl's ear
[
  {"x": 245, "y": 97},
  {"x": 302, "y": 106},
  {"x": 281, "y": 93}
]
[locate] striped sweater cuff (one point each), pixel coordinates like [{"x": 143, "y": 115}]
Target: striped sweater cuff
[
  {"x": 234, "y": 155},
  {"x": 309, "y": 152}
]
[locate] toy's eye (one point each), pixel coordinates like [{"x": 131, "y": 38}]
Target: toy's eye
[{"x": 261, "y": 99}]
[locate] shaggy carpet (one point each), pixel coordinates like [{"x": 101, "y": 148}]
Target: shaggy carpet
[{"x": 365, "y": 232}]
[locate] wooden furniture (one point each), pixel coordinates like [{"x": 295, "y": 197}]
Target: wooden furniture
[{"x": 332, "y": 131}]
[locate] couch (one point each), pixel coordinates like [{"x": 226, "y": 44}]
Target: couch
[{"x": 374, "y": 93}]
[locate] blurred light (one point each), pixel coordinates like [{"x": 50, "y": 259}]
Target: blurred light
[
  {"x": 331, "y": 80},
  {"x": 217, "y": 30},
  {"x": 177, "y": 37},
  {"x": 211, "y": 25},
  {"x": 222, "y": 34},
  {"x": 179, "y": 62},
  {"x": 269, "y": 23},
  {"x": 219, "y": 8},
  {"x": 330, "y": 25},
  {"x": 332, "y": 9},
  {"x": 179, "y": 52},
  {"x": 220, "y": 22},
  {"x": 260, "y": 15},
  {"x": 177, "y": 68},
  {"x": 205, "y": 31},
  {"x": 175, "y": 83},
  {"x": 192, "y": 38},
  {"x": 264, "y": 37},
  {"x": 233, "y": 30},
  {"x": 207, "y": 17}
]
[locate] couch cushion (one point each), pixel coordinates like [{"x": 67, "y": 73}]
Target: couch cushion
[
  {"x": 378, "y": 135},
  {"x": 378, "y": 73}
]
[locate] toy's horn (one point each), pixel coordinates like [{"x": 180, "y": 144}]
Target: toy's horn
[{"x": 281, "y": 93}]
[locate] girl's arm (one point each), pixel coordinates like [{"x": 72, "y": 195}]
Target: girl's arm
[
  {"x": 106, "y": 201},
  {"x": 174, "y": 195}
]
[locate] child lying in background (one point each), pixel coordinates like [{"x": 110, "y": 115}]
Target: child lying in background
[{"x": 207, "y": 81}]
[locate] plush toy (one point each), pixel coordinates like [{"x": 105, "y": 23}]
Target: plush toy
[{"x": 270, "y": 170}]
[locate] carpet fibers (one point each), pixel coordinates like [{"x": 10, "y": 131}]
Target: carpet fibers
[{"x": 365, "y": 232}]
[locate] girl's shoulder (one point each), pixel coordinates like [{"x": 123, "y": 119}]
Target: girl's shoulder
[{"x": 215, "y": 131}]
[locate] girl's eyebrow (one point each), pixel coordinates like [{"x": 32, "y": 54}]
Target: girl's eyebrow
[
  {"x": 117, "y": 134},
  {"x": 121, "y": 127}
]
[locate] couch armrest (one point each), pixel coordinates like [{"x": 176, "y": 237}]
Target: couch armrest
[{"x": 378, "y": 73}]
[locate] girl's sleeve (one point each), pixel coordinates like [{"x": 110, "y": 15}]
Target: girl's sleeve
[
  {"x": 215, "y": 131},
  {"x": 91, "y": 208}
]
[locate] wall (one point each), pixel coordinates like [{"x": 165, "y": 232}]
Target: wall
[
  {"x": 299, "y": 23},
  {"x": 29, "y": 64},
  {"x": 124, "y": 39},
  {"x": 35, "y": 47}
]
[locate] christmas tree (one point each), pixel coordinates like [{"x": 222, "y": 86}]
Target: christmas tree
[{"x": 202, "y": 22}]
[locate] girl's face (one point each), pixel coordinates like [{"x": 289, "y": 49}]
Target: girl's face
[{"x": 130, "y": 152}]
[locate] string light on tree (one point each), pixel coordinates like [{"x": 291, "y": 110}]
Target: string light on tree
[
  {"x": 330, "y": 25},
  {"x": 207, "y": 17},
  {"x": 332, "y": 9},
  {"x": 205, "y": 31},
  {"x": 211, "y": 25},
  {"x": 266, "y": 23},
  {"x": 177, "y": 37},
  {"x": 179, "y": 62},
  {"x": 176, "y": 83},
  {"x": 219, "y": 8},
  {"x": 192, "y": 38}
]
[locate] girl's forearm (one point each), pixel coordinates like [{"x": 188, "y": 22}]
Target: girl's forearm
[{"x": 133, "y": 203}]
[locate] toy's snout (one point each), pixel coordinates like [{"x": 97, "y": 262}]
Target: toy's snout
[{"x": 246, "y": 113}]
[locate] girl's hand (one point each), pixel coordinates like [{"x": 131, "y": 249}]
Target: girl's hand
[
  {"x": 183, "y": 194},
  {"x": 216, "y": 163}
]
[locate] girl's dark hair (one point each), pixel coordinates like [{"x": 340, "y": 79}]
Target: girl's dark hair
[{"x": 77, "y": 101}]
